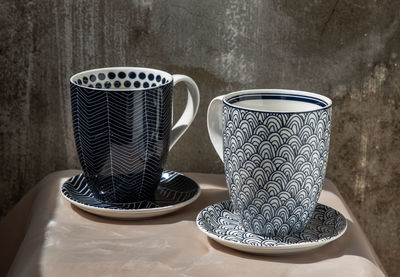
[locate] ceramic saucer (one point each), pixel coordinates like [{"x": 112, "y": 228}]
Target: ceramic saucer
[
  {"x": 174, "y": 192},
  {"x": 221, "y": 224}
]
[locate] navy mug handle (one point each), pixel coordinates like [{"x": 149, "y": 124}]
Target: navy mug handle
[{"x": 192, "y": 106}]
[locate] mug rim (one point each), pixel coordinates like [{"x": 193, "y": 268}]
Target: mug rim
[
  {"x": 121, "y": 68},
  {"x": 307, "y": 94}
]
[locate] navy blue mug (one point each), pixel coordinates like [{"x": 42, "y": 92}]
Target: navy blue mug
[{"x": 122, "y": 119}]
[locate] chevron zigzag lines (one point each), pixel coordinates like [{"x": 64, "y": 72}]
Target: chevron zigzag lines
[
  {"x": 91, "y": 131},
  {"x": 76, "y": 124},
  {"x": 146, "y": 126},
  {"x": 122, "y": 139},
  {"x": 110, "y": 135},
  {"x": 173, "y": 189},
  {"x": 140, "y": 124}
]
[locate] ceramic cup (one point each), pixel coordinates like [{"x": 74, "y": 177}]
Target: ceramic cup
[
  {"x": 274, "y": 144},
  {"x": 122, "y": 118}
]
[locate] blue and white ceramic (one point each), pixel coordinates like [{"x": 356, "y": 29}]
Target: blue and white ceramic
[
  {"x": 274, "y": 144},
  {"x": 173, "y": 192},
  {"x": 220, "y": 223},
  {"x": 122, "y": 125}
]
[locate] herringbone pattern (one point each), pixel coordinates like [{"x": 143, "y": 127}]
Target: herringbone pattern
[
  {"x": 122, "y": 139},
  {"x": 172, "y": 189}
]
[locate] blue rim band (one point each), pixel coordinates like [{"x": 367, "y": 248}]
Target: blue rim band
[{"x": 277, "y": 96}]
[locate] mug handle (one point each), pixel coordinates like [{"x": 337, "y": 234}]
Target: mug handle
[
  {"x": 192, "y": 105},
  {"x": 214, "y": 125}
]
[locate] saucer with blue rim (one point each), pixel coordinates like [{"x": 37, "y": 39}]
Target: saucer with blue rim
[
  {"x": 219, "y": 222},
  {"x": 174, "y": 192}
]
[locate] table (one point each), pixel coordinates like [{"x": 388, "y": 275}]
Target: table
[{"x": 44, "y": 235}]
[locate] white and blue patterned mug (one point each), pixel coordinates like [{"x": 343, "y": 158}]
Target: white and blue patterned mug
[
  {"x": 122, "y": 119},
  {"x": 274, "y": 144}
]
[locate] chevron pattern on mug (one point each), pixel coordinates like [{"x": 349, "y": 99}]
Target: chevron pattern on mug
[{"x": 122, "y": 119}]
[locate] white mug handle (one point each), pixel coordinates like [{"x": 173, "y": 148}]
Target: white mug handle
[
  {"x": 192, "y": 105},
  {"x": 214, "y": 125}
]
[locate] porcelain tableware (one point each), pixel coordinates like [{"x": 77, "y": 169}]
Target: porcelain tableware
[
  {"x": 122, "y": 119},
  {"x": 274, "y": 144},
  {"x": 219, "y": 222},
  {"x": 173, "y": 192}
]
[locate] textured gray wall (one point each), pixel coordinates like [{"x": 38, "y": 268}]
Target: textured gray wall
[{"x": 345, "y": 49}]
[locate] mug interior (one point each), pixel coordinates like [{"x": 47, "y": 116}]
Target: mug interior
[
  {"x": 121, "y": 78},
  {"x": 281, "y": 101}
]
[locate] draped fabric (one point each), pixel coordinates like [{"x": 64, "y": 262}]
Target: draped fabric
[{"x": 61, "y": 240}]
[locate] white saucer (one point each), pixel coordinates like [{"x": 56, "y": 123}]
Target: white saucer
[
  {"x": 175, "y": 191},
  {"x": 219, "y": 223}
]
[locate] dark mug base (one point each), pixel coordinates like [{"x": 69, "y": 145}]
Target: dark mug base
[{"x": 124, "y": 188}]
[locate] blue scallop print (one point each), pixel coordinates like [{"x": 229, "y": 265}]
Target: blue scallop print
[
  {"x": 275, "y": 164},
  {"x": 325, "y": 225}
]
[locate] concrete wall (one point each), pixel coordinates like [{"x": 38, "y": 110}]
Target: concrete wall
[{"x": 348, "y": 50}]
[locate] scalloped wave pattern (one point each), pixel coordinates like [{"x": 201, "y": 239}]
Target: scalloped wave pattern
[
  {"x": 325, "y": 224},
  {"x": 275, "y": 164}
]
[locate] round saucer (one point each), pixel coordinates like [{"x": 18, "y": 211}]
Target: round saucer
[
  {"x": 220, "y": 223},
  {"x": 174, "y": 192}
]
